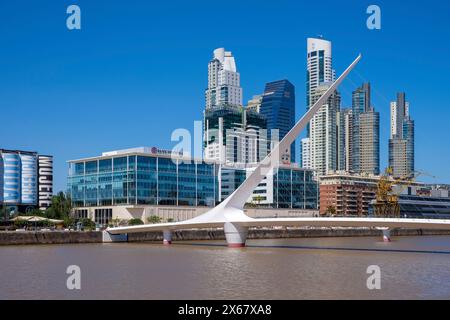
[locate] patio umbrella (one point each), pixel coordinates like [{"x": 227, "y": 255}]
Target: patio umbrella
[{"x": 36, "y": 219}]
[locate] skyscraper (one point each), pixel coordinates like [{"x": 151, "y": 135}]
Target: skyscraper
[
  {"x": 365, "y": 133},
  {"x": 344, "y": 136},
  {"x": 348, "y": 136},
  {"x": 223, "y": 81},
  {"x": 401, "y": 143},
  {"x": 319, "y": 66},
  {"x": 232, "y": 134},
  {"x": 278, "y": 106},
  {"x": 323, "y": 134}
]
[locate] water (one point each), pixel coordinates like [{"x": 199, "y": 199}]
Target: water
[{"x": 327, "y": 268}]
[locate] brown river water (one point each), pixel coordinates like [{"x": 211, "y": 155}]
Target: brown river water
[{"x": 325, "y": 268}]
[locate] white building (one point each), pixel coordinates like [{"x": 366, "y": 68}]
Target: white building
[
  {"x": 323, "y": 133},
  {"x": 223, "y": 80},
  {"x": 306, "y": 153}
]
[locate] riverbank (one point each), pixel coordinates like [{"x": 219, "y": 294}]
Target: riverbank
[{"x": 73, "y": 237}]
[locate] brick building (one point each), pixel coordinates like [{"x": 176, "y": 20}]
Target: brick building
[{"x": 348, "y": 194}]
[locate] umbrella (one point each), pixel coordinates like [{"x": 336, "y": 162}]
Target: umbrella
[{"x": 36, "y": 219}]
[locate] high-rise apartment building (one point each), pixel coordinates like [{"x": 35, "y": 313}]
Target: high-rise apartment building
[
  {"x": 347, "y": 131},
  {"x": 401, "y": 143},
  {"x": 232, "y": 134},
  {"x": 323, "y": 133},
  {"x": 319, "y": 66},
  {"x": 223, "y": 81},
  {"x": 278, "y": 107},
  {"x": 306, "y": 153},
  {"x": 365, "y": 133}
]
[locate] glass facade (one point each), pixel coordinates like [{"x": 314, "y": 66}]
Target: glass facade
[
  {"x": 278, "y": 107},
  {"x": 142, "y": 180},
  {"x": 11, "y": 178},
  {"x": 295, "y": 189},
  {"x": 292, "y": 188}
]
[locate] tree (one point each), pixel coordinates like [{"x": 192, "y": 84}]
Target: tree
[
  {"x": 60, "y": 208},
  {"x": 331, "y": 210},
  {"x": 258, "y": 199},
  {"x": 154, "y": 219},
  {"x": 88, "y": 224},
  {"x": 135, "y": 222}
]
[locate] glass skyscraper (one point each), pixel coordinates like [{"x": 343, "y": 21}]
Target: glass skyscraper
[{"x": 278, "y": 106}]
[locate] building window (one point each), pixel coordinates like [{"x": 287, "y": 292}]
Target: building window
[{"x": 103, "y": 216}]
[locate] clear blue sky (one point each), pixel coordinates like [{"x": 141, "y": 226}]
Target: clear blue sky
[{"x": 137, "y": 70}]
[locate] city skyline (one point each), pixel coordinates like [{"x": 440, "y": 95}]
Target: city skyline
[{"x": 83, "y": 101}]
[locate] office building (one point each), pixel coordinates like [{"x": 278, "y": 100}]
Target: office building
[
  {"x": 144, "y": 182},
  {"x": 141, "y": 182},
  {"x": 234, "y": 135},
  {"x": 278, "y": 107},
  {"x": 286, "y": 187}
]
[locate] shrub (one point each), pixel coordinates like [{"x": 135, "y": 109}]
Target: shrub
[
  {"x": 87, "y": 224},
  {"x": 135, "y": 222},
  {"x": 154, "y": 219}
]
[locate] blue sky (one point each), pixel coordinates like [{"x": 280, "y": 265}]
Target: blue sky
[{"x": 137, "y": 70}]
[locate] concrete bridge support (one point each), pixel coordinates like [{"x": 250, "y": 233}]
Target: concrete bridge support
[
  {"x": 386, "y": 234},
  {"x": 235, "y": 235},
  {"x": 167, "y": 237}
]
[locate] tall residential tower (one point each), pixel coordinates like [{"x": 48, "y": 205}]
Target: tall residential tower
[
  {"x": 365, "y": 133},
  {"x": 401, "y": 143},
  {"x": 223, "y": 81}
]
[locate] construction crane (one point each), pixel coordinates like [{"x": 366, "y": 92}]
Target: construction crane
[{"x": 387, "y": 204}]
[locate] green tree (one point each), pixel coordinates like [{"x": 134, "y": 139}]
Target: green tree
[
  {"x": 331, "y": 210},
  {"x": 60, "y": 208},
  {"x": 88, "y": 224},
  {"x": 154, "y": 219},
  {"x": 135, "y": 222},
  {"x": 69, "y": 222},
  {"x": 258, "y": 199}
]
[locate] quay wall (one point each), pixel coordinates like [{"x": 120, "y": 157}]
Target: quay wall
[{"x": 73, "y": 237}]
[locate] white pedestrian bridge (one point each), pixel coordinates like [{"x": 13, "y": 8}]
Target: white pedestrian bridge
[{"x": 230, "y": 215}]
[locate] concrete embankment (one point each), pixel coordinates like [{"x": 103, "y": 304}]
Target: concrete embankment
[
  {"x": 72, "y": 237},
  {"x": 288, "y": 233},
  {"x": 49, "y": 237}
]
